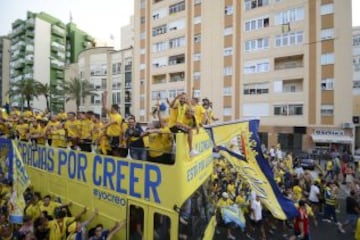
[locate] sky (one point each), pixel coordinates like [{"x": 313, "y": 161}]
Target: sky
[{"x": 99, "y": 18}]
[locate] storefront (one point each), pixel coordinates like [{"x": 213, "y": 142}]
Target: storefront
[{"x": 333, "y": 139}]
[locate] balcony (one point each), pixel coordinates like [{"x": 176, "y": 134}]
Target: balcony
[
  {"x": 159, "y": 79},
  {"x": 292, "y": 85},
  {"x": 289, "y": 62},
  {"x": 30, "y": 23},
  {"x": 128, "y": 67},
  {"x": 177, "y": 77},
  {"x": 178, "y": 59}
]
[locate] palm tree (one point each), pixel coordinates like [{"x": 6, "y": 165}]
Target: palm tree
[
  {"x": 27, "y": 89},
  {"x": 77, "y": 90},
  {"x": 47, "y": 91}
]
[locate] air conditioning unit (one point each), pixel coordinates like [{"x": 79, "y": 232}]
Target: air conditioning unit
[{"x": 347, "y": 125}]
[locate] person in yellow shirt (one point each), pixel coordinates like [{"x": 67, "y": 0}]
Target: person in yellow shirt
[
  {"x": 22, "y": 129},
  {"x": 27, "y": 114},
  {"x": 357, "y": 230},
  {"x": 329, "y": 169},
  {"x": 297, "y": 190},
  {"x": 209, "y": 113},
  {"x": 48, "y": 205},
  {"x": 62, "y": 115},
  {"x": 178, "y": 108},
  {"x": 225, "y": 201},
  {"x": 114, "y": 127},
  {"x": 230, "y": 188},
  {"x": 96, "y": 132},
  {"x": 72, "y": 128},
  {"x": 50, "y": 127},
  {"x": 33, "y": 209},
  {"x": 160, "y": 143},
  {"x": 58, "y": 226},
  {"x": 36, "y": 133},
  {"x": 58, "y": 136},
  {"x": 86, "y": 129},
  {"x": 200, "y": 112}
]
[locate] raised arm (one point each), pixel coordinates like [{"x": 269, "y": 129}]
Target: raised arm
[{"x": 117, "y": 227}]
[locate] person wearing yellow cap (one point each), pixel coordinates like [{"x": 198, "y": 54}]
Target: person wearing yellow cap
[{"x": 78, "y": 230}]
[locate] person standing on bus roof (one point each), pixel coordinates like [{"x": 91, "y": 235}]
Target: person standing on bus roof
[
  {"x": 114, "y": 128},
  {"x": 134, "y": 139}
]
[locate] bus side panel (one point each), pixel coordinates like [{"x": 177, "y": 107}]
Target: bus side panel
[{"x": 210, "y": 230}]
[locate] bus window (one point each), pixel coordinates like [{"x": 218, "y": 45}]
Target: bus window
[
  {"x": 162, "y": 225},
  {"x": 136, "y": 222},
  {"x": 195, "y": 214}
]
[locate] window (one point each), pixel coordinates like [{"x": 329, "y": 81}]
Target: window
[
  {"x": 288, "y": 16},
  {"x": 327, "y": 84},
  {"x": 327, "y": 110},
  {"x": 327, "y": 33},
  {"x": 176, "y": 25},
  {"x": 257, "y": 67},
  {"x": 142, "y": 20},
  {"x": 142, "y": 66},
  {"x": 172, "y": 94},
  {"x": 196, "y": 76},
  {"x": 159, "y": 62},
  {"x": 156, "y": 94},
  {"x": 196, "y": 93},
  {"x": 228, "y": 71},
  {"x": 229, "y": 10},
  {"x": 289, "y": 39},
  {"x": 197, "y": 38},
  {"x": 197, "y": 19},
  {"x": 177, "y": 77},
  {"x": 136, "y": 218},
  {"x": 227, "y": 91},
  {"x": 356, "y": 41},
  {"x": 256, "y": 88},
  {"x": 228, "y": 51},
  {"x": 288, "y": 110},
  {"x": 356, "y": 84},
  {"x": 196, "y": 56},
  {"x": 178, "y": 59},
  {"x": 327, "y": 58},
  {"x": 356, "y": 63},
  {"x": 142, "y": 3},
  {"x": 227, "y": 111},
  {"x": 326, "y": 9},
  {"x": 159, "y": 30},
  {"x": 257, "y": 44},
  {"x": 178, "y": 7},
  {"x": 197, "y": 2},
  {"x": 160, "y": 46},
  {"x": 228, "y": 31},
  {"x": 255, "y": 24},
  {"x": 142, "y": 35},
  {"x": 251, "y": 4},
  {"x": 159, "y": 13},
  {"x": 177, "y": 42}
]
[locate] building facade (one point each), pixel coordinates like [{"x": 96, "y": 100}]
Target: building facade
[
  {"x": 41, "y": 46},
  {"x": 356, "y": 84},
  {"x": 4, "y": 69},
  {"x": 107, "y": 70},
  {"x": 127, "y": 35},
  {"x": 286, "y": 62}
]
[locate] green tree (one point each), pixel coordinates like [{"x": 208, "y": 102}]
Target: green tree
[
  {"x": 77, "y": 90},
  {"x": 50, "y": 92},
  {"x": 27, "y": 89}
]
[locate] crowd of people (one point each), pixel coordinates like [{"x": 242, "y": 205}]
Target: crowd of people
[
  {"x": 316, "y": 196},
  {"x": 112, "y": 135}
]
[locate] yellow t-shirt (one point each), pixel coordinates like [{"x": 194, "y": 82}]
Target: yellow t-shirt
[
  {"x": 329, "y": 165},
  {"x": 33, "y": 210},
  {"x": 73, "y": 128},
  {"x": 231, "y": 189},
  {"x": 86, "y": 129},
  {"x": 22, "y": 129},
  {"x": 297, "y": 192},
  {"x": 181, "y": 109},
  {"x": 96, "y": 133},
  {"x": 50, "y": 125},
  {"x": 199, "y": 113},
  {"x": 357, "y": 230},
  {"x": 224, "y": 202},
  {"x": 58, "y": 138},
  {"x": 160, "y": 143},
  {"x": 38, "y": 130},
  {"x": 61, "y": 116},
  {"x": 58, "y": 229},
  {"x": 50, "y": 208},
  {"x": 114, "y": 130},
  {"x": 172, "y": 117}
]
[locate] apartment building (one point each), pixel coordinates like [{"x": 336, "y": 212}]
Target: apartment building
[
  {"x": 285, "y": 62},
  {"x": 356, "y": 84},
  {"x": 4, "y": 68},
  {"x": 41, "y": 46},
  {"x": 107, "y": 70}
]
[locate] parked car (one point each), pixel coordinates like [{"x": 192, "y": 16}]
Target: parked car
[{"x": 306, "y": 160}]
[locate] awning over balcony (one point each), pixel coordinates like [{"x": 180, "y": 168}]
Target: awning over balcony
[{"x": 332, "y": 139}]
